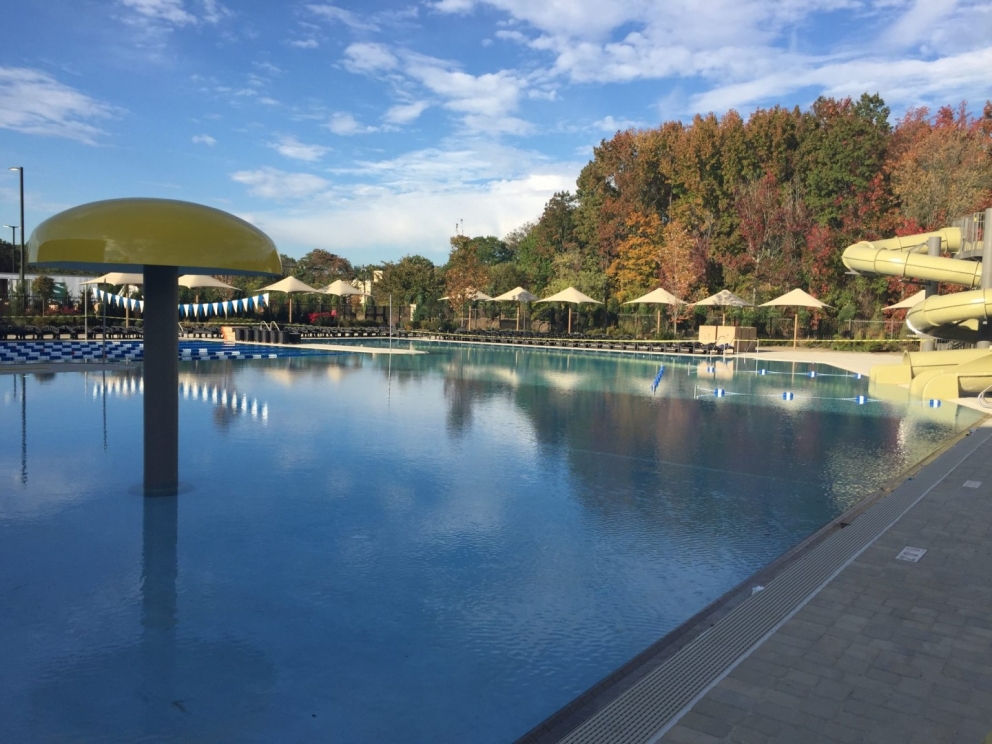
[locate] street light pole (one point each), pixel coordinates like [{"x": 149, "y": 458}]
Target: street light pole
[
  {"x": 13, "y": 237},
  {"x": 24, "y": 294}
]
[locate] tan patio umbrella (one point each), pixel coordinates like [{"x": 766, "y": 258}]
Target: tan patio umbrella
[
  {"x": 724, "y": 298},
  {"x": 290, "y": 285},
  {"x": 657, "y": 297},
  {"x": 518, "y": 295},
  {"x": 797, "y": 299},
  {"x": 196, "y": 281},
  {"x": 573, "y": 297},
  {"x": 117, "y": 278},
  {"x": 909, "y": 301},
  {"x": 341, "y": 288},
  {"x": 474, "y": 297}
]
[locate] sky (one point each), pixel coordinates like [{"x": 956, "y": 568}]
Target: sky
[{"x": 377, "y": 129}]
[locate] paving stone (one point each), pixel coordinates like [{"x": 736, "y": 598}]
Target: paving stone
[
  {"x": 712, "y": 727},
  {"x": 888, "y": 651}
]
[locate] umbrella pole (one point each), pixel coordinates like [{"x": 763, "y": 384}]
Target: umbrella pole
[
  {"x": 657, "y": 331},
  {"x": 569, "y": 320},
  {"x": 518, "y": 316},
  {"x": 795, "y": 330},
  {"x": 290, "y": 308}
]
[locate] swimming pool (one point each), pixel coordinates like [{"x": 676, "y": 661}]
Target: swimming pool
[{"x": 445, "y": 547}]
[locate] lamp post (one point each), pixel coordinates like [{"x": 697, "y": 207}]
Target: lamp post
[
  {"x": 24, "y": 294},
  {"x": 13, "y": 237}
]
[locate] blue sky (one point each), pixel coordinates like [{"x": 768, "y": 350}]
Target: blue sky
[{"x": 369, "y": 129}]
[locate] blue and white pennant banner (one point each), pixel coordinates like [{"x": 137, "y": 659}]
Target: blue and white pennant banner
[{"x": 193, "y": 310}]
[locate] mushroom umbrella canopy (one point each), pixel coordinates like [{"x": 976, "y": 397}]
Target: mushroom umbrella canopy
[
  {"x": 518, "y": 295},
  {"x": 476, "y": 296},
  {"x": 198, "y": 281},
  {"x": 796, "y": 298},
  {"x": 657, "y": 297},
  {"x": 573, "y": 297},
  {"x": 289, "y": 285},
  {"x": 117, "y": 278},
  {"x": 341, "y": 288},
  {"x": 724, "y": 298},
  {"x": 160, "y": 238}
]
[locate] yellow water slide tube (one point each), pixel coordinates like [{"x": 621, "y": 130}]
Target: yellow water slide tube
[{"x": 958, "y": 316}]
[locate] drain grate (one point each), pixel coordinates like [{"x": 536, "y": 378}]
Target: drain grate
[{"x": 645, "y": 711}]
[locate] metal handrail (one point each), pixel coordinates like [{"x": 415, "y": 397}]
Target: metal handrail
[{"x": 981, "y": 398}]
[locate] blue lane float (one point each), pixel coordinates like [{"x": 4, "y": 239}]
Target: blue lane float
[
  {"x": 657, "y": 379},
  {"x": 49, "y": 352},
  {"x": 785, "y": 395}
]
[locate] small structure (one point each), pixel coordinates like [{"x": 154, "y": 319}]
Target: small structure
[
  {"x": 657, "y": 297},
  {"x": 573, "y": 297},
  {"x": 518, "y": 295},
  {"x": 159, "y": 238},
  {"x": 290, "y": 285},
  {"x": 797, "y": 298}
]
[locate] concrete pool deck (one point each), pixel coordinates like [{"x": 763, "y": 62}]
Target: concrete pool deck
[{"x": 882, "y": 650}]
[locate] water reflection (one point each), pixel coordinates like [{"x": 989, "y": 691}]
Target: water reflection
[
  {"x": 432, "y": 548},
  {"x": 168, "y": 686},
  {"x": 228, "y": 400},
  {"x": 820, "y": 446}
]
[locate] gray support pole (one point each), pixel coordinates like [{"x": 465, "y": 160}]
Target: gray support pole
[
  {"x": 161, "y": 373},
  {"x": 24, "y": 294},
  {"x": 933, "y": 249},
  {"x": 986, "y": 342}
]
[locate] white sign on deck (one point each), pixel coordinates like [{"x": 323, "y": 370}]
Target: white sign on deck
[
  {"x": 972, "y": 484},
  {"x": 911, "y": 554}
]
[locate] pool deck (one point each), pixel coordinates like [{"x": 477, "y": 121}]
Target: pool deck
[{"x": 846, "y": 642}]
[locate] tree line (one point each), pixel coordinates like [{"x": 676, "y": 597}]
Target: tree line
[{"x": 758, "y": 207}]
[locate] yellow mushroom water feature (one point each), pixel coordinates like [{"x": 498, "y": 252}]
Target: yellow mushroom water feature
[{"x": 160, "y": 238}]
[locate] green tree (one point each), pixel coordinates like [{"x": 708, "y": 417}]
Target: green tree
[
  {"x": 842, "y": 152},
  {"x": 43, "y": 287},
  {"x": 411, "y": 280},
  {"x": 318, "y": 268}
]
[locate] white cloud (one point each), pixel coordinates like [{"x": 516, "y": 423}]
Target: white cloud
[
  {"x": 420, "y": 221},
  {"x": 494, "y": 187},
  {"x": 169, "y": 11},
  {"x": 214, "y": 12},
  {"x": 33, "y": 102},
  {"x": 901, "y": 82},
  {"x": 335, "y": 14},
  {"x": 345, "y": 124},
  {"x": 489, "y": 94},
  {"x": 175, "y": 12},
  {"x": 611, "y": 125},
  {"x": 406, "y": 112},
  {"x": 368, "y": 57},
  {"x": 270, "y": 183},
  {"x": 204, "y": 139},
  {"x": 304, "y": 44},
  {"x": 292, "y": 148}
]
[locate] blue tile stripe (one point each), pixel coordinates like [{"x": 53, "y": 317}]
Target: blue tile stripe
[{"x": 35, "y": 352}]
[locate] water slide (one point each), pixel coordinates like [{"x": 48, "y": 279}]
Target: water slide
[{"x": 960, "y": 316}]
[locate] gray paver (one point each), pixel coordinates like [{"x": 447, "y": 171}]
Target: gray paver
[{"x": 889, "y": 651}]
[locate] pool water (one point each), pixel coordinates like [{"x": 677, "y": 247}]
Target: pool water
[{"x": 436, "y": 548}]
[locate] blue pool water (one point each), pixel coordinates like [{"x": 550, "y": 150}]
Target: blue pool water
[{"x": 435, "y": 548}]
